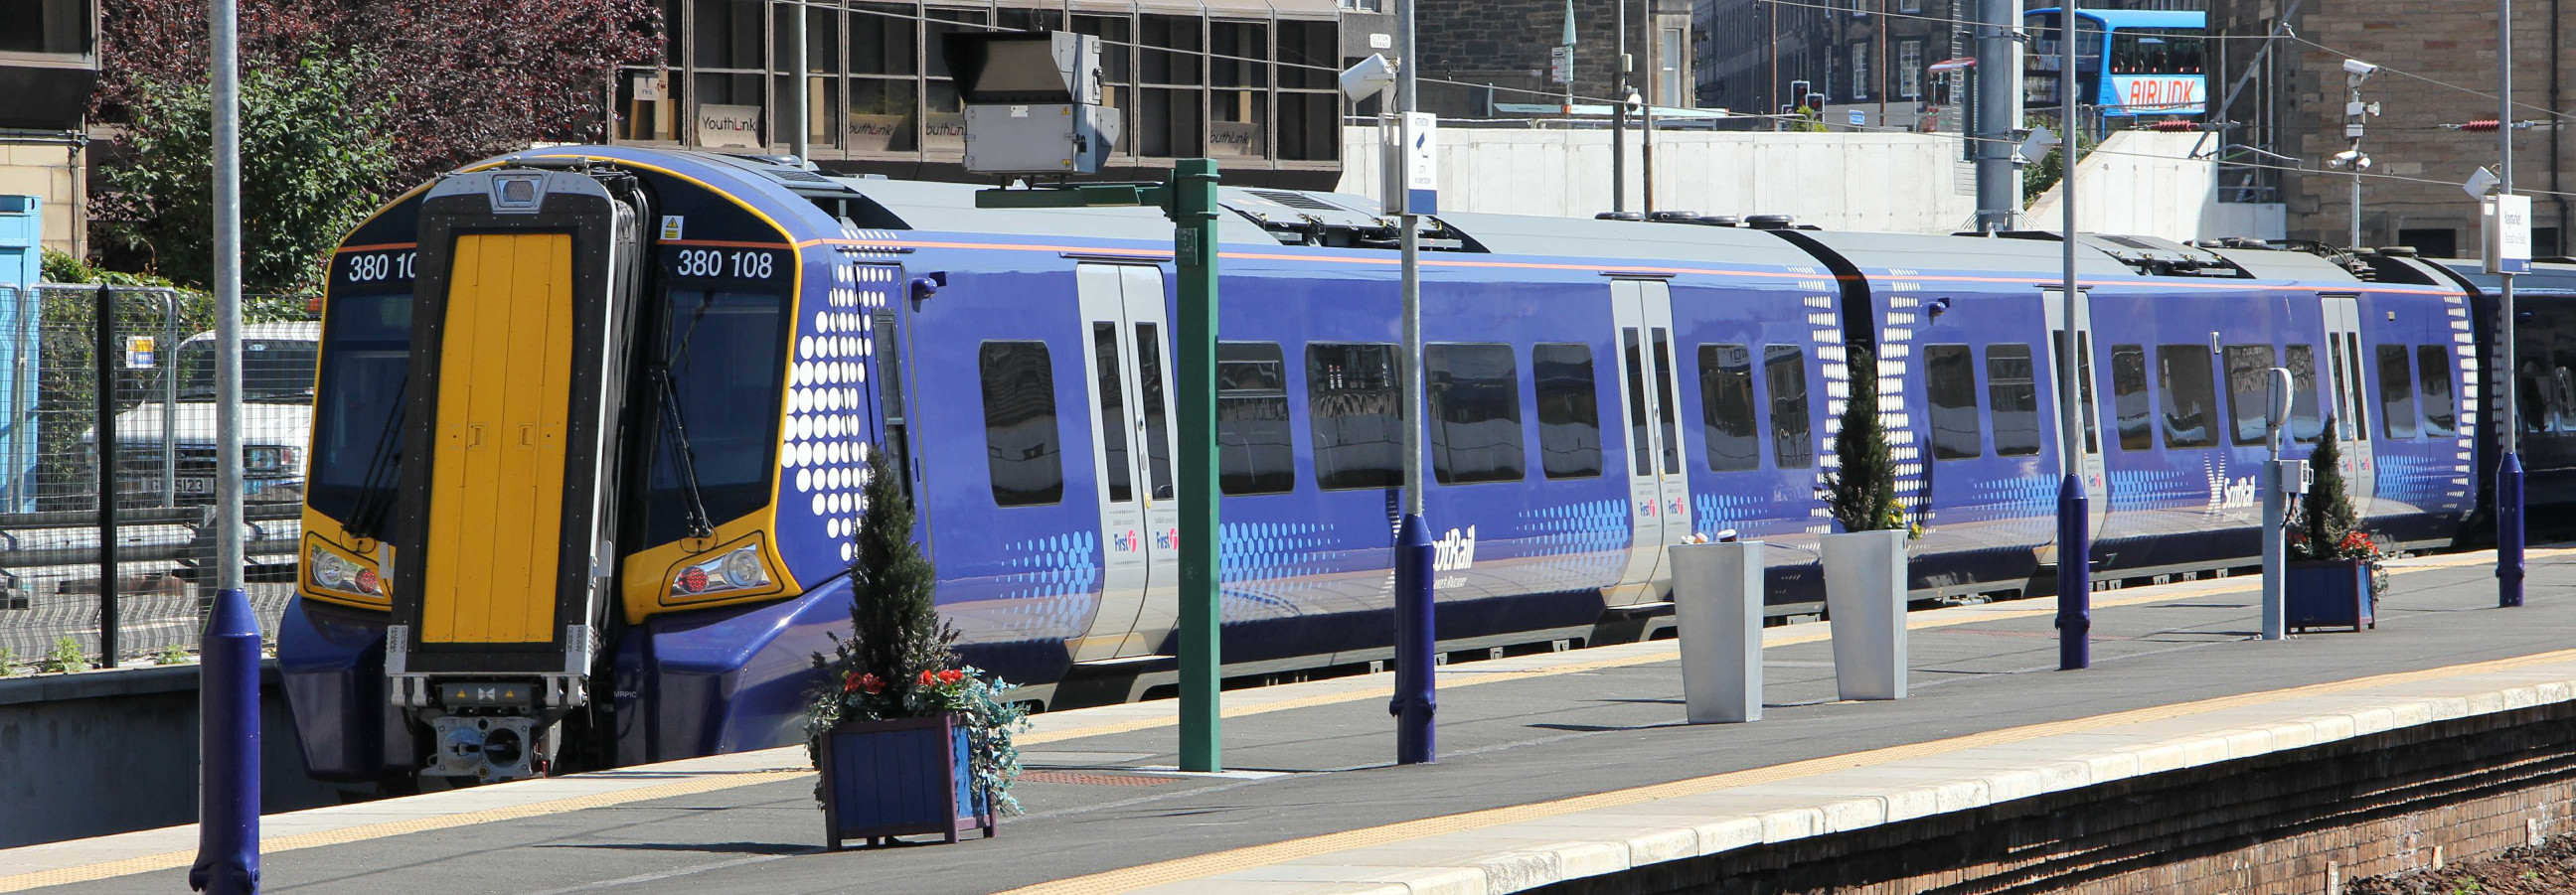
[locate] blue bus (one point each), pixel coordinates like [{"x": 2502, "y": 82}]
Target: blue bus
[{"x": 2129, "y": 63}]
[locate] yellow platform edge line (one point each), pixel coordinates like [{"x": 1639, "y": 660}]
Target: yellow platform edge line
[{"x": 173, "y": 860}]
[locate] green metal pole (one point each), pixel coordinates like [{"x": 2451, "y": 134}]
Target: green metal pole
[{"x": 1193, "y": 212}]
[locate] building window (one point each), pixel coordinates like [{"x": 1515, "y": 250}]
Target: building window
[
  {"x": 1909, "y": 69},
  {"x": 1860, "y": 71},
  {"x": 1021, "y": 449}
]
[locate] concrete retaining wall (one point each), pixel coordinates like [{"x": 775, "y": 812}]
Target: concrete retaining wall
[
  {"x": 111, "y": 751},
  {"x": 2145, "y": 182},
  {"x": 1886, "y": 182}
]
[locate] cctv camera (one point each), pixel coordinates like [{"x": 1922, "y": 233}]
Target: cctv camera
[
  {"x": 1369, "y": 78},
  {"x": 2359, "y": 69}
]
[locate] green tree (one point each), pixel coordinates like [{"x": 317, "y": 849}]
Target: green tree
[
  {"x": 2043, "y": 172},
  {"x": 1860, "y": 492},
  {"x": 2324, "y": 528},
  {"x": 313, "y": 164}
]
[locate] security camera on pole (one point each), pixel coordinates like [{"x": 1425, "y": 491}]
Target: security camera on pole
[{"x": 2355, "y": 114}]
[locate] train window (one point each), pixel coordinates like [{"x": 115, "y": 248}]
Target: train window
[
  {"x": 1784, "y": 373},
  {"x": 2396, "y": 393},
  {"x": 2305, "y": 424},
  {"x": 1120, "y": 476},
  {"x": 1021, "y": 447},
  {"x": 2191, "y": 399},
  {"x": 1355, "y": 412},
  {"x": 1569, "y": 410},
  {"x": 1664, "y": 406},
  {"x": 1726, "y": 408},
  {"x": 888, "y": 355},
  {"x": 2132, "y": 409},
  {"x": 1149, "y": 391},
  {"x": 1950, "y": 384},
  {"x": 355, "y": 421},
  {"x": 1253, "y": 454},
  {"x": 2433, "y": 366},
  {"x": 2083, "y": 377},
  {"x": 2247, "y": 391},
  {"x": 2014, "y": 395},
  {"x": 1475, "y": 399},
  {"x": 1640, "y": 439},
  {"x": 2360, "y": 409}
]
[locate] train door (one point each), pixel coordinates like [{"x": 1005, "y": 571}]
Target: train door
[
  {"x": 2351, "y": 394},
  {"x": 2097, "y": 493},
  {"x": 1124, "y": 334},
  {"x": 1658, "y": 487}
]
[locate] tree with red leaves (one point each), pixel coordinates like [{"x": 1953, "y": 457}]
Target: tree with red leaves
[{"x": 463, "y": 79}]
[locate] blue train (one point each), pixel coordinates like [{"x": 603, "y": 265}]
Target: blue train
[{"x": 587, "y": 452}]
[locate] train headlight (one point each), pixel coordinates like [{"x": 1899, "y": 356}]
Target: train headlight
[
  {"x": 331, "y": 571},
  {"x": 737, "y": 569}
]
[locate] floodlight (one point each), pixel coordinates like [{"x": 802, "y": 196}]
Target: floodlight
[
  {"x": 1032, "y": 101},
  {"x": 1372, "y": 76}
]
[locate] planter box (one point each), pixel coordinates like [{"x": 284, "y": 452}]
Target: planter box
[
  {"x": 2331, "y": 593},
  {"x": 1865, "y": 610},
  {"x": 903, "y": 777}
]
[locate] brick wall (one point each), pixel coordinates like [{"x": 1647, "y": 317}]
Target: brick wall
[
  {"x": 2450, "y": 43},
  {"x": 2276, "y": 824},
  {"x": 1506, "y": 43}
]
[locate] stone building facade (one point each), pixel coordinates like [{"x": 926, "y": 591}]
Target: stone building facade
[
  {"x": 2432, "y": 57},
  {"x": 1506, "y": 44}
]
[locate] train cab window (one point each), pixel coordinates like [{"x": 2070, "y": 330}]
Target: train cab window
[
  {"x": 2247, "y": 391},
  {"x": 2433, "y": 368},
  {"x": 1475, "y": 399},
  {"x": 2191, "y": 399},
  {"x": 2396, "y": 393},
  {"x": 1253, "y": 453},
  {"x": 1355, "y": 411},
  {"x": 357, "y": 420},
  {"x": 1950, "y": 385},
  {"x": 2014, "y": 395},
  {"x": 711, "y": 341},
  {"x": 2305, "y": 423},
  {"x": 1021, "y": 447},
  {"x": 2132, "y": 408},
  {"x": 1784, "y": 375},
  {"x": 1569, "y": 410},
  {"x": 1726, "y": 408}
]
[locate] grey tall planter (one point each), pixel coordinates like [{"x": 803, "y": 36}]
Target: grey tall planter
[{"x": 1865, "y": 604}]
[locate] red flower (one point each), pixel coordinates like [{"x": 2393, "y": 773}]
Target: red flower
[
  {"x": 849, "y": 682},
  {"x": 951, "y": 676},
  {"x": 929, "y": 678},
  {"x": 870, "y": 683}
]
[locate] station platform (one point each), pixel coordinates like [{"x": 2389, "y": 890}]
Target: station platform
[{"x": 1553, "y": 767}]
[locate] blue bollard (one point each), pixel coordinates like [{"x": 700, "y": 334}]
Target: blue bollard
[
  {"x": 1415, "y": 636},
  {"x": 2509, "y": 531},
  {"x": 2074, "y": 577},
  {"x": 228, "y": 750}
]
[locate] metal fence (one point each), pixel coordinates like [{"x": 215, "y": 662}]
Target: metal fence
[{"x": 129, "y": 575}]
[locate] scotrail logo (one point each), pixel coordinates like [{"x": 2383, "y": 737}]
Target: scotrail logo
[{"x": 1454, "y": 551}]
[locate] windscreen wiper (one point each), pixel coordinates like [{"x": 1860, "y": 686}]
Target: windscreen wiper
[
  {"x": 684, "y": 459},
  {"x": 375, "y": 488}
]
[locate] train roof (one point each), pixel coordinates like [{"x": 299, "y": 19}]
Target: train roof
[
  {"x": 2546, "y": 277},
  {"x": 2038, "y": 258}
]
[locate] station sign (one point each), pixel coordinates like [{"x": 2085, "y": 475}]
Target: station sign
[
  {"x": 1413, "y": 186},
  {"x": 1560, "y": 64},
  {"x": 2508, "y": 233}
]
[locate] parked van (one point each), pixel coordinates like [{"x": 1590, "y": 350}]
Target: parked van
[{"x": 165, "y": 451}]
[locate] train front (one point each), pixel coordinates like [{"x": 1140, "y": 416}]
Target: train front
[{"x": 551, "y": 396}]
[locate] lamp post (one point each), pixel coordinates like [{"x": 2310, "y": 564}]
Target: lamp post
[
  {"x": 2074, "y": 537},
  {"x": 2355, "y": 114},
  {"x": 2508, "y": 487}
]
